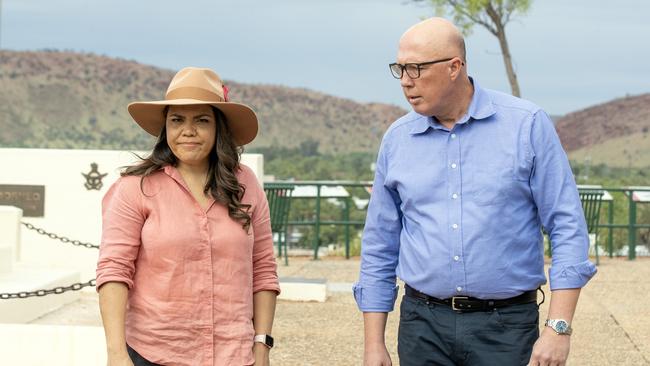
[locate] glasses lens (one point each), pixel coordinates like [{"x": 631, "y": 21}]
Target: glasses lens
[
  {"x": 396, "y": 70},
  {"x": 412, "y": 70}
]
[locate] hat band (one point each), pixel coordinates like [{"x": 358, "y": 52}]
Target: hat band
[{"x": 192, "y": 92}]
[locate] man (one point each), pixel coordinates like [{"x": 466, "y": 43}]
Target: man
[{"x": 463, "y": 186}]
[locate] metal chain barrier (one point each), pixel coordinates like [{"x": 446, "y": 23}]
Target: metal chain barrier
[
  {"x": 57, "y": 290},
  {"x": 61, "y": 238}
]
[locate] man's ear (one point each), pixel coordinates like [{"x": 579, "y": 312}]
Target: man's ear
[{"x": 455, "y": 68}]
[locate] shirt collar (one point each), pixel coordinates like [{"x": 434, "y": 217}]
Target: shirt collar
[
  {"x": 480, "y": 107},
  {"x": 172, "y": 172}
]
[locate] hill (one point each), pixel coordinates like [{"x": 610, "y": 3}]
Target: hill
[
  {"x": 55, "y": 99},
  {"x": 616, "y": 133}
]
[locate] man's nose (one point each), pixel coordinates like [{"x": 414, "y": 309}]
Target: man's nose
[{"x": 406, "y": 81}]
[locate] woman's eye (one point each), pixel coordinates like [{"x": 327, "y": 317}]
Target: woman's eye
[
  {"x": 204, "y": 120},
  {"x": 176, "y": 119}
]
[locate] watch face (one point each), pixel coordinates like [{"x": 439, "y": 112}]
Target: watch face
[{"x": 561, "y": 326}]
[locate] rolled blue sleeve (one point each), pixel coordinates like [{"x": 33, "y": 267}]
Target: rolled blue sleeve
[
  {"x": 376, "y": 289},
  {"x": 560, "y": 210}
]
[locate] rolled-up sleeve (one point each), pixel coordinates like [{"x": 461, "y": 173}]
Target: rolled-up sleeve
[
  {"x": 122, "y": 219},
  {"x": 560, "y": 210},
  {"x": 265, "y": 275},
  {"x": 376, "y": 289}
]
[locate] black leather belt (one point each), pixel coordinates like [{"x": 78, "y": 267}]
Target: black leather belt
[{"x": 468, "y": 304}]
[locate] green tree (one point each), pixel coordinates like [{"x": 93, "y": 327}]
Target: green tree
[{"x": 492, "y": 15}]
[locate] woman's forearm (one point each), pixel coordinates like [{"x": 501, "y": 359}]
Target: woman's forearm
[
  {"x": 112, "y": 304},
  {"x": 264, "y": 311}
]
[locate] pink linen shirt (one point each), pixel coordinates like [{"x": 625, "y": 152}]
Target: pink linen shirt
[{"x": 191, "y": 272}]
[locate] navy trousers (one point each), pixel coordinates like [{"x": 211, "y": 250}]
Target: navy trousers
[{"x": 431, "y": 334}]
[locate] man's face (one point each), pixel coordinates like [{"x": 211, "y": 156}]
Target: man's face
[{"x": 426, "y": 93}]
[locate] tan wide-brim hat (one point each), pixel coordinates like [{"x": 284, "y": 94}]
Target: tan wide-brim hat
[{"x": 194, "y": 86}]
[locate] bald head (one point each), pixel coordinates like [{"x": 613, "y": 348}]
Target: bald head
[{"x": 436, "y": 36}]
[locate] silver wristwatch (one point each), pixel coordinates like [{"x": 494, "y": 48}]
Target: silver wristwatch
[{"x": 560, "y": 326}]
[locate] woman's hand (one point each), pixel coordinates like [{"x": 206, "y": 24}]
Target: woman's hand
[
  {"x": 261, "y": 353},
  {"x": 121, "y": 359}
]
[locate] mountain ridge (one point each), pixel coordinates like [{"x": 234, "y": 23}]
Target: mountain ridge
[{"x": 60, "y": 99}]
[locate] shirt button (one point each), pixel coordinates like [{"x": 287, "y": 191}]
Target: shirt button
[
  {"x": 456, "y": 258},
  {"x": 455, "y": 226},
  {"x": 454, "y": 196},
  {"x": 459, "y": 289},
  {"x": 453, "y": 135},
  {"x": 453, "y": 165}
]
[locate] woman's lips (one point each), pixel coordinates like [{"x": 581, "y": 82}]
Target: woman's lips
[{"x": 189, "y": 144}]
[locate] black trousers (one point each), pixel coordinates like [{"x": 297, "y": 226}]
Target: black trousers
[
  {"x": 137, "y": 359},
  {"x": 431, "y": 334}
]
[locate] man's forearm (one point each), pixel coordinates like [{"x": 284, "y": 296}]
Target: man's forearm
[
  {"x": 374, "y": 325},
  {"x": 563, "y": 304}
]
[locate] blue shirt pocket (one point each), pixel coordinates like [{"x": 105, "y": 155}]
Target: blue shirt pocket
[{"x": 492, "y": 184}]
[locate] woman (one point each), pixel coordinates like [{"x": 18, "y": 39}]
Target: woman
[{"x": 186, "y": 272}]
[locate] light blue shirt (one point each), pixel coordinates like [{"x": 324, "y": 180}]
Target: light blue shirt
[{"x": 459, "y": 212}]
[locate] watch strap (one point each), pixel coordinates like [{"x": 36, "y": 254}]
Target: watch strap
[
  {"x": 265, "y": 339},
  {"x": 560, "y": 326}
]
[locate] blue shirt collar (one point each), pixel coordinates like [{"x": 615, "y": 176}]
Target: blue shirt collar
[{"x": 480, "y": 107}]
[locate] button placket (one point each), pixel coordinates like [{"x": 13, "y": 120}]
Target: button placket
[{"x": 455, "y": 210}]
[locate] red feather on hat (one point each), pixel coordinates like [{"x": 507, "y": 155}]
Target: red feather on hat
[{"x": 225, "y": 93}]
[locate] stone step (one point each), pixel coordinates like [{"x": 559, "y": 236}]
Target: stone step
[{"x": 303, "y": 289}]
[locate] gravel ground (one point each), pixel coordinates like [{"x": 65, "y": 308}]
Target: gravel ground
[{"x": 612, "y": 324}]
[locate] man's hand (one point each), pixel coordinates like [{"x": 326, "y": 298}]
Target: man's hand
[
  {"x": 376, "y": 354},
  {"x": 261, "y": 353},
  {"x": 551, "y": 349}
]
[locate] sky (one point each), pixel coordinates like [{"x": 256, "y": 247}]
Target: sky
[{"x": 568, "y": 55}]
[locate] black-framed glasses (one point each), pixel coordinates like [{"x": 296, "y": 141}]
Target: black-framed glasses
[{"x": 412, "y": 69}]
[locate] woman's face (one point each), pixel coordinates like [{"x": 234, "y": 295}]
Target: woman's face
[{"x": 191, "y": 132}]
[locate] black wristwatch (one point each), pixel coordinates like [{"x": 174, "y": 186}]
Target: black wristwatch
[{"x": 266, "y": 339}]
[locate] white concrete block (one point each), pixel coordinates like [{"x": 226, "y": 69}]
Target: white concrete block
[
  {"x": 10, "y": 217},
  {"x": 6, "y": 259},
  {"x": 30, "y": 278},
  {"x": 54, "y": 345},
  {"x": 256, "y": 163},
  {"x": 303, "y": 289}
]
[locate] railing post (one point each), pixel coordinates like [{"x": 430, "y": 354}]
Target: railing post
[
  {"x": 610, "y": 220},
  {"x": 631, "y": 229},
  {"x": 347, "y": 227},
  {"x": 286, "y": 246},
  {"x": 317, "y": 224}
]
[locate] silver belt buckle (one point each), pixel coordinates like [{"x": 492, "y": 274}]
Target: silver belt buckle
[{"x": 453, "y": 302}]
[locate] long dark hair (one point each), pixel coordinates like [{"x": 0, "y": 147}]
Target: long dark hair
[{"x": 222, "y": 182}]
